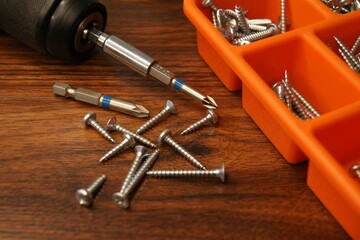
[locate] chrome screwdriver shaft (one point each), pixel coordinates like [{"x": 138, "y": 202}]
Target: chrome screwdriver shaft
[{"x": 143, "y": 64}]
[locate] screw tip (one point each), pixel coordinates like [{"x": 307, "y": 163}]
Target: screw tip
[{"x": 110, "y": 125}]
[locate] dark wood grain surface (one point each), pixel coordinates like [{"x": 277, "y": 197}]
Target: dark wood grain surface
[{"x": 47, "y": 152}]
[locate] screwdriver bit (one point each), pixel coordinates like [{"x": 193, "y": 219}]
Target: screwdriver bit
[
  {"x": 98, "y": 99},
  {"x": 143, "y": 64}
]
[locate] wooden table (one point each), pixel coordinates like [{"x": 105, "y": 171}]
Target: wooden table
[{"x": 47, "y": 153}]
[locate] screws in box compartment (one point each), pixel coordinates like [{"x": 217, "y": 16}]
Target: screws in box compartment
[
  {"x": 239, "y": 30},
  {"x": 294, "y": 100},
  {"x": 350, "y": 56},
  {"x": 342, "y": 6}
]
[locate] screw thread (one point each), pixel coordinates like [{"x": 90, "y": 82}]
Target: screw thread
[
  {"x": 126, "y": 143},
  {"x": 258, "y": 35},
  {"x": 210, "y": 4},
  {"x": 101, "y": 130},
  {"x": 96, "y": 186},
  {"x": 123, "y": 200},
  {"x": 306, "y": 103},
  {"x": 137, "y": 137},
  {"x": 348, "y": 60},
  {"x": 154, "y": 121},
  {"x": 347, "y": 55},
  {"x": 183, "y": 152},
  {"x": 298, "y": 107},
  {"x": 188, "y": 173},
  {"x": 196, "y": 126},
  {"x": 355, "y": 46},
  {"x": 243, "y": 24},
  {"x": 283, "y": 16},
  {"x": 135, "y": 165}
]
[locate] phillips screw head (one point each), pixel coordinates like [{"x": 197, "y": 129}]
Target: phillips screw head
[{"x": 86, "y": 196}]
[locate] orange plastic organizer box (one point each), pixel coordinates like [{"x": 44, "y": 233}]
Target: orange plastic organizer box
[{"x": 309, "y": 53}]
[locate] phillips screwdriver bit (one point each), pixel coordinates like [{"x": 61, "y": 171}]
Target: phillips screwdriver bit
[
  {"x": 98, "y": 99},
  {"x": 143, "y": 64}
]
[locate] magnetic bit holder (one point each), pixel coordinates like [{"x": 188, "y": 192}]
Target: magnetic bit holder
[{"x": 98, "y": 99}]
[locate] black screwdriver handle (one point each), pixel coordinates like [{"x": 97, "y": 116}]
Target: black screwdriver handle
[{"x": 54, "y": 27}]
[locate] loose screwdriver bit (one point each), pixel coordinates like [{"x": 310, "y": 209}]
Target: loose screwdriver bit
[
  {"x": 98, "y": 99},
  {"x": 143, "y": 64}
]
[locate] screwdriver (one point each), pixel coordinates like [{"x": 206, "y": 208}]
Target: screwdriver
[
  {"x": 71, "y": 29},
  {"x": 98, "y": 99},
  {"x": 142, "y": 63}
]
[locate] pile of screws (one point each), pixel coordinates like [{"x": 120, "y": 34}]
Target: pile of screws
[
  {"x": 351, "y": 56},
  {"x": 145, "y": 158},
  {"x": 342, "y": 6},
  {"x": 239, "y": 30},
  {"x": 294, "y": 101}
]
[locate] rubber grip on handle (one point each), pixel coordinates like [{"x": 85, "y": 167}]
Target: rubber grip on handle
[{"x": 53, "y": 26}]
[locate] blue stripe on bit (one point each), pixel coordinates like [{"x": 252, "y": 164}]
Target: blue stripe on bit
[
  {"x": 106, "y": 101},
  {"x": 178, "y": 84}
]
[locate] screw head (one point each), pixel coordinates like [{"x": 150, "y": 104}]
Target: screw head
[
  {"x": 89, "y": 116},
  {"x": 279, "y": 89},
  {"x": 222, "y": 173},
  {"x": 355, "y": 170},
  {"x": 163, "y": 135},
  {"x": 140, "y": 150},
  {"x": 274, "y": 28},
  {"x": 110, "y": 125},
  {"x": 212, "y": 116},
  {"x": 170, "y": 105},
  {"x": 84, "y": 198},
  {"x": 130, "y": 139},
  {"x": 121, "y": 200}
]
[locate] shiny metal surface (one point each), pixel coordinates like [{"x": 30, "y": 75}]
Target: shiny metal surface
[{"x": 98, "y": 99}]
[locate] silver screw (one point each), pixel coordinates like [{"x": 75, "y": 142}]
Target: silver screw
[
  {"x": 355, "y": 46},
  {"x": 260, "y": 21},
  {"x": 313, "y": 112},
  {"x": 300, "y": 109},
  {"x": 86, "y": 196},
  {"x": 90, "y": 119},
  {"x": 209, "y": 4},
  {"x": 348, "y": 56},
  {"x": 122, "y": 198},
  {"x": 125, "y": 144},
  {"x": 283, "y": 17},
  {"x": 271, "y": 30},
  {"x": 281, "y": 92},
  {"x": 112, "y": 124},
  {"x": 211, "y": 117},
  {"x": 243, "y": 24},
  {"x": 355, "y": 171},
  {"x": 141, "y": 152},
  {"x": 169, "y": 109},
  {"x": 334, "y": 5},
  {"x": 165, "y": 137},
  {"x": 220, "y": 173}
]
